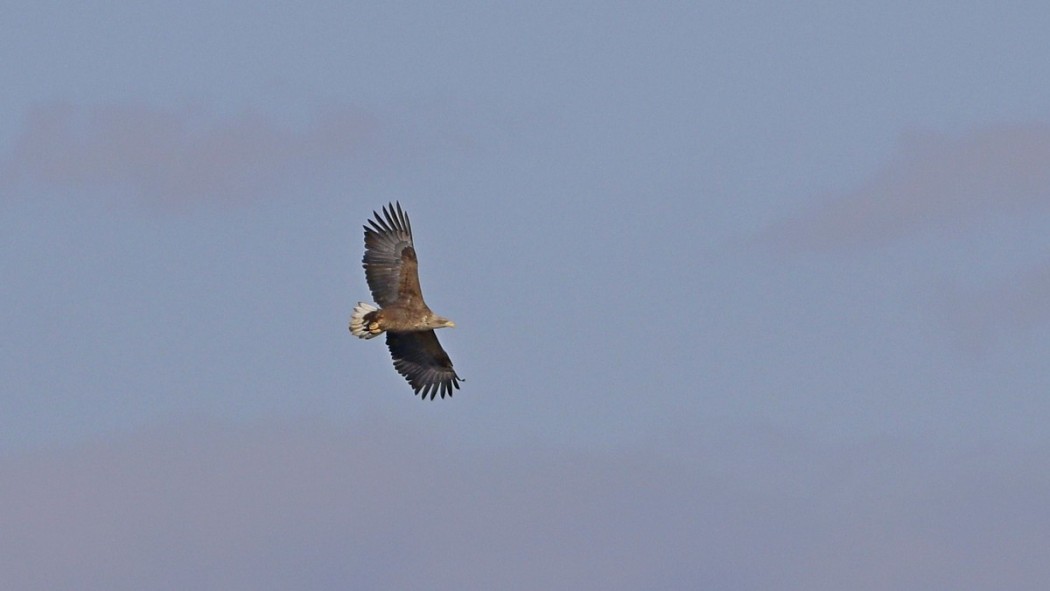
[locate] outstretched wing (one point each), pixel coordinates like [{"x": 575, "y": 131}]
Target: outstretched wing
[
  {"x": 419, "y": 357},
  {"x": 390, "y": 259}
]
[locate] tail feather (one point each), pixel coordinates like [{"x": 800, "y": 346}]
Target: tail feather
[{"x": 358, "y": 326}]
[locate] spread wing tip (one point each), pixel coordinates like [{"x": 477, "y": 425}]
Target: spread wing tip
[
  {"x": 434, "y": 389},
  {"x": 392, "y": 219}
]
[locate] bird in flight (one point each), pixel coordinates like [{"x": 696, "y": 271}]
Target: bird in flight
[{"x": 391, "y": 269}]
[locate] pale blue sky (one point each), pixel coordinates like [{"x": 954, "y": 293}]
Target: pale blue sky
[{"x": 748, "y": 295}]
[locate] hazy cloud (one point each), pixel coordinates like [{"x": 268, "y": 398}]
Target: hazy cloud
[
  {"x": 172, "y": 156},
  {"x": 383, "y": 506},
  {"x": 935, "y": 179}
]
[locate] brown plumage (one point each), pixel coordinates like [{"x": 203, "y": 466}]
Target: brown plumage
[{"x": 391, "y": 269}]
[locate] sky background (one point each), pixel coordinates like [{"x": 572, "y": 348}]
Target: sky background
[{"x": 748, "y": 295}]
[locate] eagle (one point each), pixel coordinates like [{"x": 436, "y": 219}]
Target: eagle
[{"x": 391, "y": 269}]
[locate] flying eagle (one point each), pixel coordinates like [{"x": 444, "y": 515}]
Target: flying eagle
[{"x": 391, "y": 270}]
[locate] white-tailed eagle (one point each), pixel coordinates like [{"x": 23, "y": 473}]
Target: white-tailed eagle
[{"x": 391, "y": 269}]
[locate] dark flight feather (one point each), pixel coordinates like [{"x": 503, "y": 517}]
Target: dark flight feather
[{"x": 418, "y": 357}]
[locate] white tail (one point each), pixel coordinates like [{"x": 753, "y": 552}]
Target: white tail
[{"x": 357, "y": 321}]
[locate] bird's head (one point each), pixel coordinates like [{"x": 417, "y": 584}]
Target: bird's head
[{"x": 435, "y": 321}]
